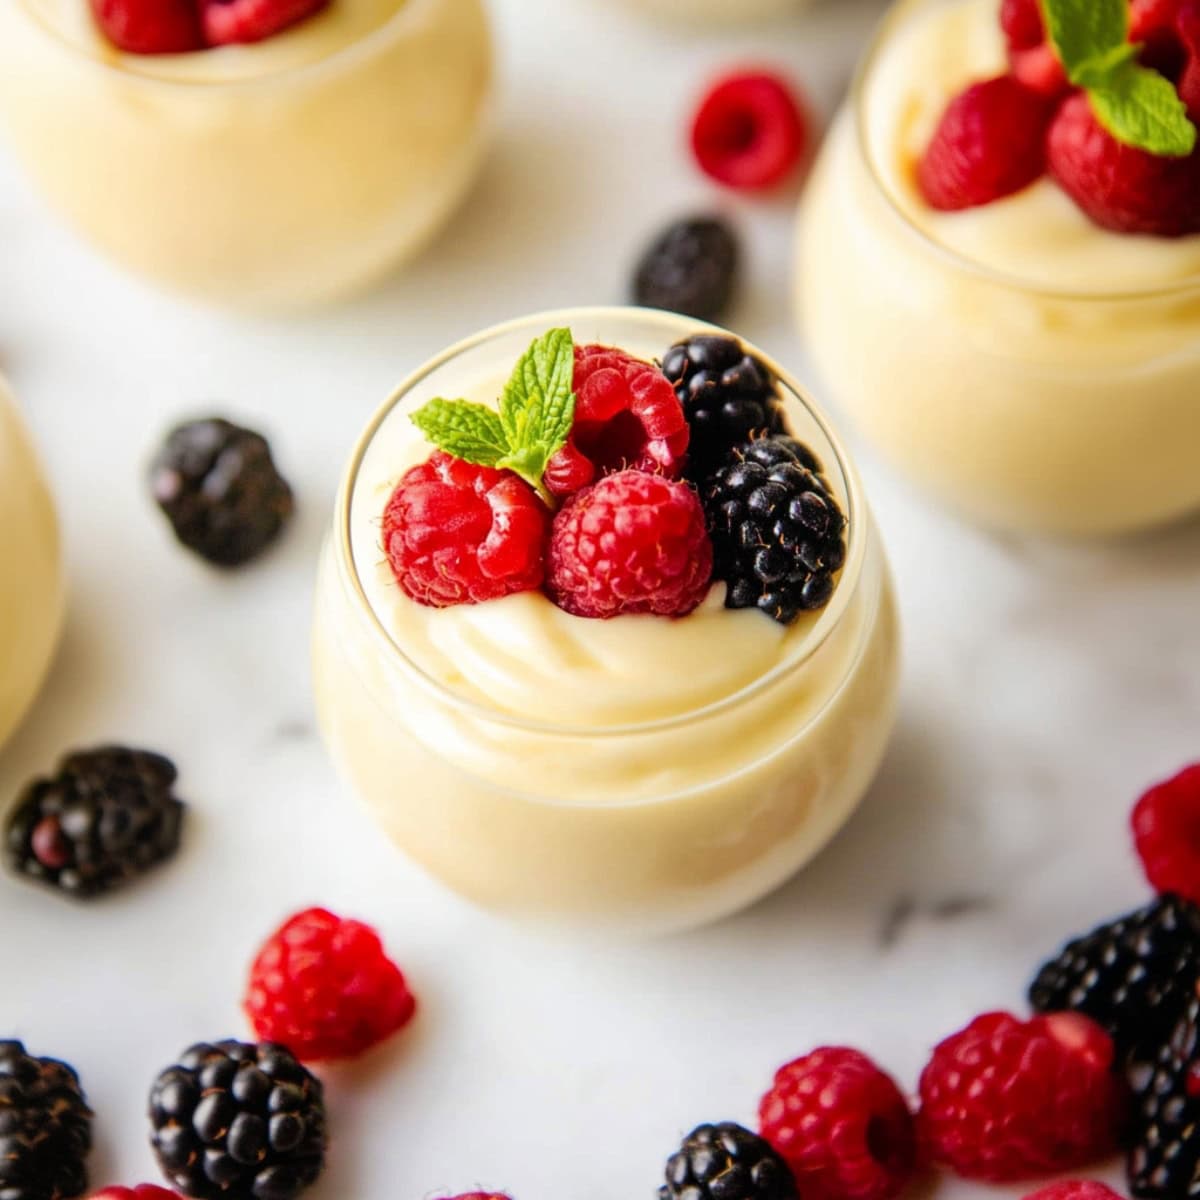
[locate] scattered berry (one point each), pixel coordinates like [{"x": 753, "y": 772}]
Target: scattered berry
[
  {"x": 150, "y": 26},
  {"x": 1075, "y": 1189},
  {"x": 750, "y": 131},
  {"x": 777, "y": 530},
  {"x": 325, "y": 988},
  {"x": 1005, "y": 1100},
  {"x": 1166, "y": 829},
  {"x": 726, "y": 1162},
  {"x": 230, "y": 21},
  {"x": 989, "y": 144},
  {"x": 45, "y": 1128},
  {"x": 232, "y": 1120},
  {"x": 841, "y": 1125},
  {"x": 632, "y": 543},
  {"x": 689, "y": 269},
  {"x": 221, "y": 491},
  {"x": 108, "y": 816},
  {"x": 455, "y": 533},
  {"x": 480, "y": 1196},
  {"x": 144, "y": 1191}
]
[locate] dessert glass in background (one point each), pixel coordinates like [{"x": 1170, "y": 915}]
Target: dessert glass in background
[
  {"x": 1030, "y": 369},
  {"x": 269, "y": 176},
  {"x": 642, "y": 773},
  {"x": 31, "y": 586},
  {"x": 718, "y": 12}
]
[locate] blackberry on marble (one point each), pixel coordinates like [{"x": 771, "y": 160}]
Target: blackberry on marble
[
  {"x": 726, "y": 1162},
  {"x": 233, "y": 1121},
  {"x": 690, "y": 269},
  {"x": 106, "y": 817}
]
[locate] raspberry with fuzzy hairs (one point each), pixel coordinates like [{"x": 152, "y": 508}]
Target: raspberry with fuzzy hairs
[
  {"x": 1005, "y": 1100},
  {"x": 324, "y": 988},
  {"x": 632, "y": 543},
  {"x": 1075, "y": 1189},
  {"x": 842, "y": 1125},
  {"x": 1166, "y": 830},
  {"x": 246, "y": 21},
  {"x": 143, "y": 1191}
]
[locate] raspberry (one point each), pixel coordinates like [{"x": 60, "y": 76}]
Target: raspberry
[
  {"x": 1075, "y": 1189},
  {"x": 1187, "y": 27},
  {"x": 324, "y": 988},
  {"x": 460, "y": 534},
  {"x": 480, "y": 1196},
  {"x": 632, "y": 543},
  {"x": 1005, "y": 1100},
  {"x": 842, "y": 1126},
  {"x": 988, "y": 145},
  {"x": 1031, "y": 58},
  {"x": 1120, "y": 187},
  {"x": 229, "y": 21},
  {"x": 750, "y": 131},
  {"x": 150, "y": 26},
  {"x": 1166, "y": 829},
  {"x": 144, "y": 1191},
  {"x": 1022, "y": 23}
]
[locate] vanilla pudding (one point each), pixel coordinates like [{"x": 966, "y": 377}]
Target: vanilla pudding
[
  {"x": 31, "y": 587},
  {"x": 644, "y": 772},
  {"x": 273, "y": 175},
  {"x": 1031, "y": 369}
]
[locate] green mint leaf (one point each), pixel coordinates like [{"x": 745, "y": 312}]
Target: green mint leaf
[
  {"x": 1097, "y": 71},
  {"x": 1142, "y": 109},
  {"x": 538, "y": 404},
  {"x": 1082, "y": 31},
  {"x": 472, "y": 432}
]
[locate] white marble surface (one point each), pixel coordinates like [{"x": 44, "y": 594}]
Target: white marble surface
[{"x": 1045, "y": 685}]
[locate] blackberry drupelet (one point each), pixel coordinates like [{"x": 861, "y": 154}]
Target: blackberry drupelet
[
  {"x": 221, "y": 491},
  {"x": 726, "y": 1162},
  {"x": 45, "y": 1128},
  {"x": 233, "y": 1121},
  {"x": 778, "y": 533},
  {"x": 728, "y": 396},
  {"x": 690, "y": 269},
  {"x": 107, "y": 816},
  {"x": 1133, "y": 976}
]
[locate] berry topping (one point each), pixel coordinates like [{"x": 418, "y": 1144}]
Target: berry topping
[
  {"x": 1005, "y": 1100},
  {"x": 230, "y": 21},
  {"x": 45, "y": 1128},
  {"x": 750, "y": 131},
  {"x": 689, "y": 269},
  {"x": 632, "y": 543},
  {"x": 726, "y": 1162},
  {"x": 1166, "y": 829},
  {"x": 221, "y": 491},
  {"x": 1075, "y": 1189},
  {"x": 237, "y": 1121},
  {"x": 455, "y": 533},
  {"x": 841, "y": 1125},
  {"x": 324, "y": 987},
  {"x": 144, "y": 1191},
  {"x": 777, "y": 530},
  {"x": 728, "y": 397},
  {"x": 989, "y": 144},
  {"x": 1031, "y": 58},
  {"x": 150, "y": 26},
  {"x": 108, "y": 816},
  {"x": 1022, "y": 23}
]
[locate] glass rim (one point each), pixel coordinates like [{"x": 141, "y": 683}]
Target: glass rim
[
  {"x": 857, "y": 515},
  {"x": 891, "y": 22}
]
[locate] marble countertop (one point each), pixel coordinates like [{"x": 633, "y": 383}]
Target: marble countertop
[{"x": 1045, "y": 685}]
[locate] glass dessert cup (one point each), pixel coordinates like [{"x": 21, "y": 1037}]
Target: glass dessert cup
[
  {"x": 31, "y": 588},
  {"x": 254, "y": 176},
  {"x": 718, "y": 12},
  {"x": 541, "y": 782},
  {"x": 1023, "y": 404}
]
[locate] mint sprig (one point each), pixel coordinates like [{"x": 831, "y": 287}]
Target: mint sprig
[
  {"x": 530, "y": 424},
  {"x": 1137, "y": 105}
]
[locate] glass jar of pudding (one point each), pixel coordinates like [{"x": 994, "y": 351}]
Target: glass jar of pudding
[
  {"x": 269, "y": 176},
  {"x": 718, "y": 12},
  {"x": 1030, "y": 369},
  {"x": 641, "y": 773},
  {"x": 31, "y": 586}
]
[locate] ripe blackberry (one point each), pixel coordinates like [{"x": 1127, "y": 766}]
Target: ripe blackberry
[
  {"x": 1133, "y": 976},
  {"x": 105, "y": 818},
  {"x": 728, "y": 396},
  {"x": 45, "y": 1128},
  {"x": 689, "y": 269},
  {"x": 726, "y": 1162},
  {"x": 238, "y": 1122},
  {"x": 220, "y": 489},
  {"x": 777, "y": 531}
]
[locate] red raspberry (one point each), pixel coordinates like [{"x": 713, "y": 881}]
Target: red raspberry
[
  {"x": 1120, "y": 187},
  {"x": 1022, "y": 23},
  {"x": 324, "y": 988},
  {"x": 627, "y": 417},
  {"x": 1005, "y": 1100},
  {"x": 144, "y": 1191},
  {"x": 1075, "y": 1189},
  {"x": 632, "y": 543},
  {"x": 1166, "y": 830},
  {"x": 229, "y": 21},
  {"x": 460, "y": 534},
  {"x": 751, "y": 131},
  {"x": 479, "y": 1196},
  {"x": 989, "y": 144},
  {"x": 1187, "y": 28},
  {"x": 842, "y": 1125},
  {"x": 1031, "y": 58},
  {"x": 150, "y": 26}
]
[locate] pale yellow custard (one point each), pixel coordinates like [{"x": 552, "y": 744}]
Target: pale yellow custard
[
  {"x": 1015, "y": 358},
  {"x": 274, "y": 175},
  {"x": 641, "y": 772}
]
